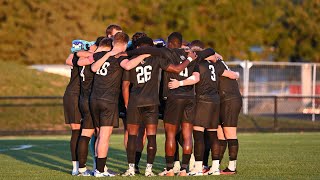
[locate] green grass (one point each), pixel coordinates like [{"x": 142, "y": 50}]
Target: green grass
[
  {"x": 19, "y": 80},
  {"x": 261, "y": 156}
]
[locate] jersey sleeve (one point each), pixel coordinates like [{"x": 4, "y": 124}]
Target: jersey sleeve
[
  {"x": 205, "y": 53},
  {"x": 219, "y": 68},
  {"x": 146, "y": 50},
  {"x": 120, "y": 59},
  {"x": 164, "y": 63},
  {"x": 196, "y": 68},
  {"x": 126, "y": 75},
  {"x": 98, "y": 55}
]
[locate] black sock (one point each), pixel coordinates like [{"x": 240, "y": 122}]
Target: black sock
[
  {"x": 198, "y": 137},
  {"x": 83, "y": 150},
  {"x": 207, "y": 148},
  {"x": 185, "y": 161},
  {"x": 233, "y": 147},
  {"x": 176, "y": 154},
  {"x": 131, "y": 148},
  {"x": 215, "y": 146},
  {"x": 101, "y": 162},
  {"x": 137, "y": 159},
  {"x": 223, "y": 147},
  {"x": 74, "y": 144},
  {"x": 151, "y": 148},
  {"x": 169, "y": 162}
]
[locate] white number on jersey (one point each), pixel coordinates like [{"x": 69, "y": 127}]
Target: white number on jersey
[
  {"x": 213, "y": 74},
  {"x": 103, "y": 69},
  {"x": 225, "y": 65},
  {"x": 82, "y": 73},
  {"x": 184, "y": 73},
  {"x": 144, "y": 74}
]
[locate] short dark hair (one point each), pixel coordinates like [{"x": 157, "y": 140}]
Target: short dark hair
[
  {"x": 106, "y": 42},
  {"x": 136, "y": 36},
  {"x": 197, "y": 45},
  {"x": 175, "y": 39},
  {"x": 98, "y": 40},
  {"x": 144, "y": 41},
  {"x": 111, "y": 27},
  {"x": 121, "y": 38}
]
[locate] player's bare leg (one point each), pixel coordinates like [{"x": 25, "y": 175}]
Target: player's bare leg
[
  {"x": 75, "y": 134},
  {"x": 102, "y": 149},
  {"x": 170, "y": 146},
  {"x": 230, "y": 134},
  {"x": 187, "y": 147}
]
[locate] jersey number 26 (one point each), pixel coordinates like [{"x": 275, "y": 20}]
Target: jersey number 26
[{"x": 144, "y": 74}]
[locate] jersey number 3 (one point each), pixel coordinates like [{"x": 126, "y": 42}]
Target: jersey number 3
[
  {"x": 103, "y": 70},
  {"x": 213, "y": 73},
  {"x": 144, "y": 74}
]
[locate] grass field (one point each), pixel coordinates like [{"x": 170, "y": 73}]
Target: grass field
[{"x": 261, "y": 156}]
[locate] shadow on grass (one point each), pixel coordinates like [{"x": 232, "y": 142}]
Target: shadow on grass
[{"x": 55, "y": 155}]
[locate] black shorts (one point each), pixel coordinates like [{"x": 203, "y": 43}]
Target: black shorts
[
  {"x": 71, "y": 108},
  {"x": 229, "y": 112},
  {"x": 207, "y": 114},
  {"x": 87, "y": 122},
  {"x": 179, "y": 110},
  {"x": 145, "y": 115},
  {"x": 104, "y": 113}
]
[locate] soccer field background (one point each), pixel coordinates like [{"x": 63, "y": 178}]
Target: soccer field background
[{"x": 261, "y": 156}]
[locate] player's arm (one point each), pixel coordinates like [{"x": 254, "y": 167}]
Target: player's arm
[
  {"x": 178, "y": 68},
  {"x": 69, "y": 60},
  {"x": 97, "y": 64},
  {"x": 125, "y": 92},
  {"x": 84, "y": 54},
  {"x": 230, "y": 74},
  {"x": 130, "y": 64},
  {"x": 84, "y": 61},
  {"x": 195, "y": 78}
]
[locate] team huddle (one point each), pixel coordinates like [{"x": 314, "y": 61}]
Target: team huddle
[{"x": 199, "y": 97}]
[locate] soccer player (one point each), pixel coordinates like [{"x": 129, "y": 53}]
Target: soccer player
[
  {"x": 230, "y": 106},
  {"x": 207, "y": 110},
  {"x": 143, "y": 104},
  {"x": 72, "y": 112},
  {"x": 113, "y": 29},
  {"x": 105, "y": 93},
  {"x": 141, "y": 139},
  {"x": 86, "y": 80}
]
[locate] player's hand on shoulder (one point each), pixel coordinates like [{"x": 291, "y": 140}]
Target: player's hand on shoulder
[
  {"x": 192, "y": 55},
  {"x": 218, "y": 56},
  {"x": 173, "y": 84},
  {"x": 120, "y": 54}
]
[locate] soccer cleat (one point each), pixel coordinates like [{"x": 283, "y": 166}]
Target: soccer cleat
[
  {"x": 102, "y": 174},
  {"x": 128, "y": 173},
  {"x": 149, "y": 174},
  {"x": 214, "y": 172},
  {"x": 227, "y": 171},
  {"x": 195, "y": 173},
  {"x": 170, "y": 173},
  {"x": 75, "y": 172},
  {"x": 85, "y": 173},
  {"x": 106, "y": 169},
  {"x": 205, "y": 170},
  {"x": 183, "y": 173},
  {"x": 164, "y": 172}
]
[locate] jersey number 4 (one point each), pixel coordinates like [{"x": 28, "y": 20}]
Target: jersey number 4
[
  {"x": 213, "y": 73},
  {"x": 144, "y": 74},
  {"x": 103, "y": 71}
]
